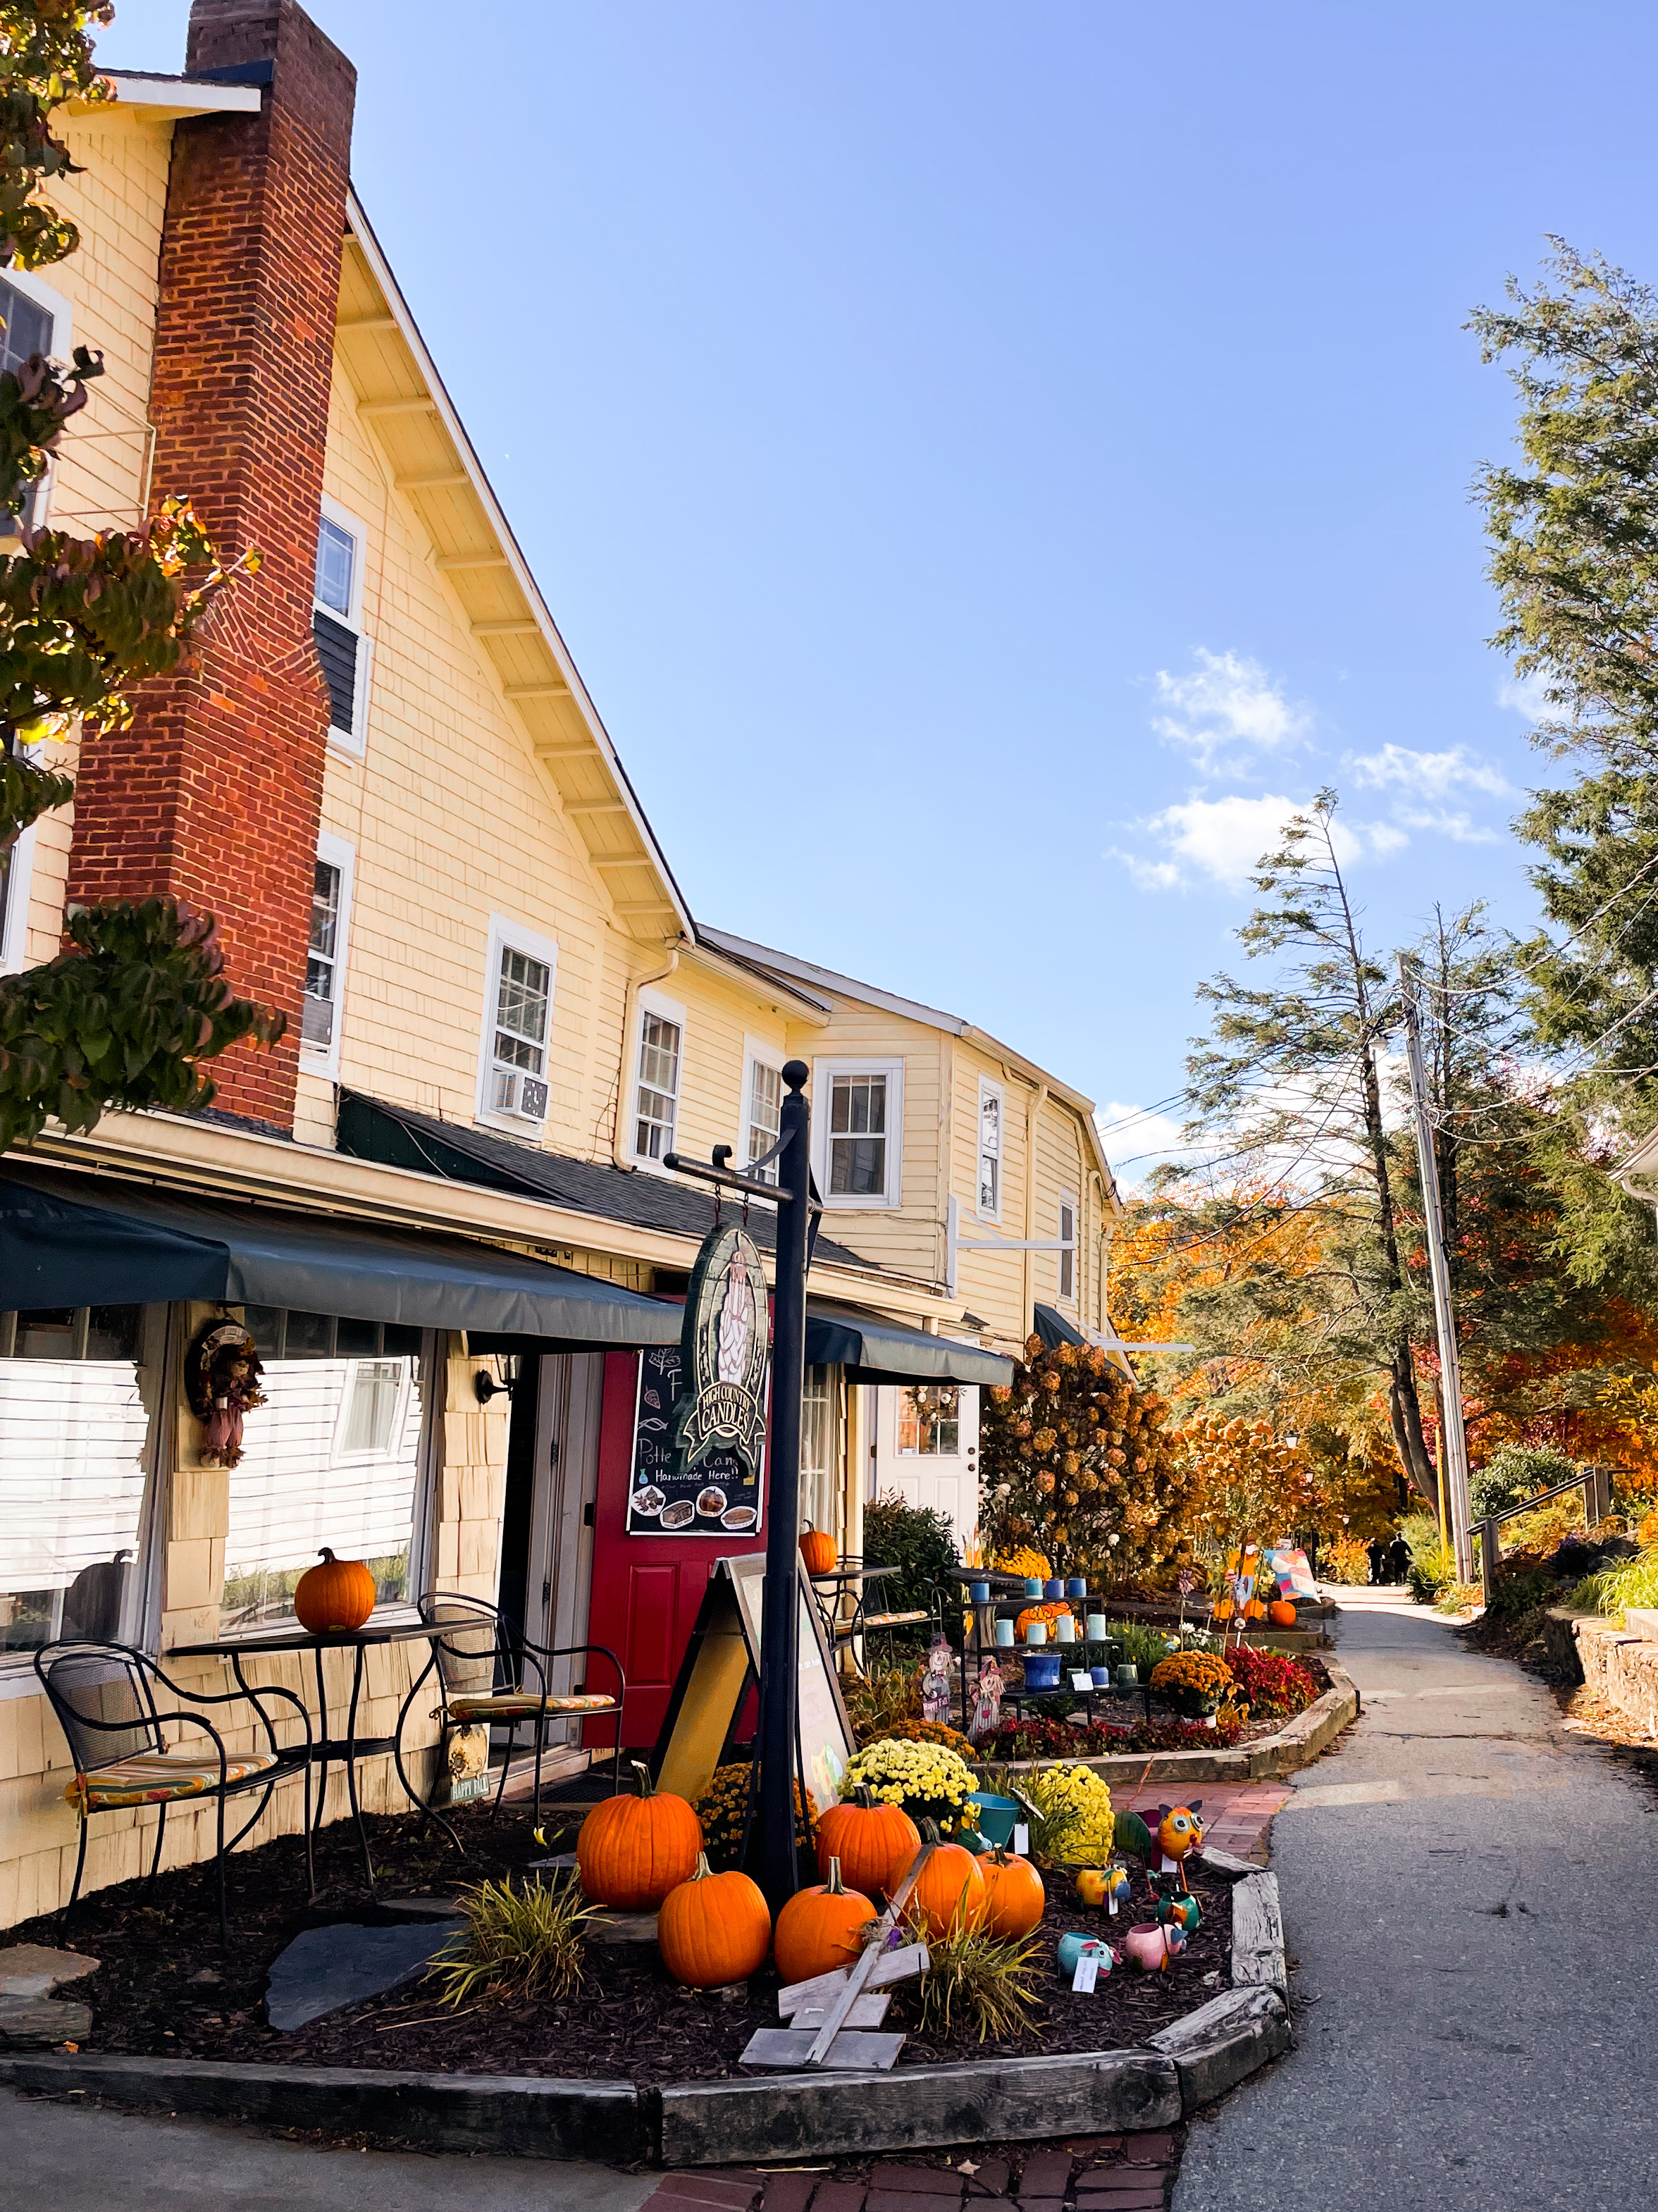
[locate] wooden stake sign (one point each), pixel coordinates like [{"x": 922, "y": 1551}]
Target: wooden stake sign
[{"x": 841, "y": 2002}]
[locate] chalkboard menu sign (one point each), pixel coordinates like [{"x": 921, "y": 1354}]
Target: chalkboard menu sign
[{"x": 719, "y": 1497}]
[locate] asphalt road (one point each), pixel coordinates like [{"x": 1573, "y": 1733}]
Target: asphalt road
[{"x": 1471, "y": 1897}]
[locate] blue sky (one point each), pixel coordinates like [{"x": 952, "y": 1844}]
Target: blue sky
[{"x": 987, "y": 462}]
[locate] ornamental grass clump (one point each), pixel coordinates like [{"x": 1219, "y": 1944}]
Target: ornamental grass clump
[
  {"x": 516, "y": 1944},
  {"x": 1632, "y": 1582},
  {"x": 929, "y": 1783},
  {"x": 1075, "y": 1823},
  {"x": 979, "y": 1977}
]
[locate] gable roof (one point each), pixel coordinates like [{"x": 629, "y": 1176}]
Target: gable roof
[
  {"x": 400, "y": 393},
  {"x": 821, "y": 979}
]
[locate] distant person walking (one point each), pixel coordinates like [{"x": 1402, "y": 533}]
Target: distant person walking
[
  {"x": 1375, "y": 1555},
  {"x": 1398, "y": 1560}
]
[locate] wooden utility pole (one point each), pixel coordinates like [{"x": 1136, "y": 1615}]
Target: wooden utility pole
[{"x": 1453, "y": 1442}]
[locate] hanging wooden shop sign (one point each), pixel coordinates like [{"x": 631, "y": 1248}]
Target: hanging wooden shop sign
[{"x": 699, "y": 1428}]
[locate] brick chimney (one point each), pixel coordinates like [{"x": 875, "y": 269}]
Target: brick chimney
[{"x": 215, "y": 794}]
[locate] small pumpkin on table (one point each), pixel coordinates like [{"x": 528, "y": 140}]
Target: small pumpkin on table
[{"x": 336, "y": 1597}]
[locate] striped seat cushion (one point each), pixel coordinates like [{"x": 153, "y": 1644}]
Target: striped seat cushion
[
  {"x": 509, "y": 1705},
  {"x": 153, "y": 1778},
  {"x": 890, "y": 1620}
]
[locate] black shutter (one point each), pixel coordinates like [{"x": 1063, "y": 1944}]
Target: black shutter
[{"x": 337, "y": 649}]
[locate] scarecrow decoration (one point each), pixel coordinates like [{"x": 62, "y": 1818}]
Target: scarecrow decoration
[{"x": 221, "y": 1382}]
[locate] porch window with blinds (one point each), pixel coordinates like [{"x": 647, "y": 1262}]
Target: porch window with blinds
[
  {"x": 820, "y": 1446},
  {"x": 333, "y": 1457},
  {"x": 80, "y": 1427},
  {"x": 322, "y": 960},
  {"x": 1067, "y": 1268}
]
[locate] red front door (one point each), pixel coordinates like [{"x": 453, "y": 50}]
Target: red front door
[{"x": 646, "y": 1588}]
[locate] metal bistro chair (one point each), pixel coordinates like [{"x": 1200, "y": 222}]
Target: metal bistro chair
[
  {"x": 867, "y": 1625},
  {"x": 104, "y": 1696},
  {"x": 484, "y": 1665}
]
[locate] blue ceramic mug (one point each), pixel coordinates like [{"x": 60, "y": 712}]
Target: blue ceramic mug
[
  {"x": 1053, "y": 1589},
  {"x": 1075, "y": 1586}
]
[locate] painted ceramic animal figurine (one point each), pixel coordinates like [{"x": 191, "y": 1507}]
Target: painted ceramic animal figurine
[
  {"x": 1172, "y": 1907},
  {"x": 1180, "y": 1832}
]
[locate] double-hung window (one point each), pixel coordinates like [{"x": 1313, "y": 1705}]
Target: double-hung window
[
  {"x": 324, "y": 962},
  {"x": 37, "y": 320},
  {"x": 992, "y": 1113},
  {"x": 858, "y": 1123},
  {"x": 763, "y": 1107},
  {"x": 336, "y": 625},
  {"x": 16, "y": 868},
  {"x": 657, "y": 1077},
  {"x": 1067, "y": 1267},
  {"x": 513, "y": 1090}
]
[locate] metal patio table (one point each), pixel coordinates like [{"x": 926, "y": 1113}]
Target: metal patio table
[{"x": 326, "y": 1750}]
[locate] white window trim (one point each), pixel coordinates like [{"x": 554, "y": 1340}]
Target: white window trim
[
  {"x": 505, "y": 936},
  {"x": 63, "y": 341},
  {"x": 999, "y": 1092},
  {"x": 648, "y": 1000},
  {"x": 320, "y": 1060},
  {"x": 1068, "y": 1198},
  {"x": 14, "y": 920},
  {"x": 756, "y": 1054},
  {"x": 354, "y": 742},
  {"x": 823, "y": 1074}
]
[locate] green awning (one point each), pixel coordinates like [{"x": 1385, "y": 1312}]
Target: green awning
[
  {"x": 1052, "y": 1328},
  {"x": 876, "y": 1351},
  {"x": 69, "y": 1240}
]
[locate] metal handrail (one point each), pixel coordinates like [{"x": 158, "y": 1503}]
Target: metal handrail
[{"x": 1596, "y": 1507}]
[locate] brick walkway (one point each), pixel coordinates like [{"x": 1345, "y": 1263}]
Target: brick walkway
[
  {"x": 1235, "y": 1813},
  {"x": 1092, "y": 2173}
]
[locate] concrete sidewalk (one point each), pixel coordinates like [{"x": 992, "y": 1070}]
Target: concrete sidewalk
[
  {"x": 1472, "y": 1894},
  {"x": 59, "y": 2153}
]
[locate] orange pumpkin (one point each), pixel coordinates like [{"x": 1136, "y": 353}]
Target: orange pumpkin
[
  {"x": 820, "y": 1928},
  {"x": 631, "y": 1852},
  {"x": 337, "y": 1597},
  {"x": 1222, "y": 1608},
  {"x": 1281, "y": 1612},
  {"x": 714, "y": 1929},
  {"x": 1015, "y": 1899},
  {"x": 1255, "y": 1610},
  {"x": 820, "y": 1552},
  {"x": 875, "y": 1843},
  {"x": 951, "y": 1889}
]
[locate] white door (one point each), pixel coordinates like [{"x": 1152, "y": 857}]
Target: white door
[{"x": 926, "y": 1448}]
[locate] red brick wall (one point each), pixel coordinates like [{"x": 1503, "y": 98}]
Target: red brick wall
[{"x": 215, "y": 794}]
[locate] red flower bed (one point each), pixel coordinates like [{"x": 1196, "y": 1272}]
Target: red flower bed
[
  {"x": 1051, "y": 1739},
  {"x": 1267, "y": 1682}
]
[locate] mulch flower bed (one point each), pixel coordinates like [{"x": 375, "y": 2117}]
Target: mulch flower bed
[{"x": 164, "y": 1989}]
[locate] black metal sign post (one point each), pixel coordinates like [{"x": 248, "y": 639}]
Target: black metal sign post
[{"x": 780, "y": 1613}]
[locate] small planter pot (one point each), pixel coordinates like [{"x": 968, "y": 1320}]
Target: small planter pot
[
  {"x": 1101, "y": 1677},
  {"x": 1041, "y": 1670},
  {"x": 1151, "y": 1947}
]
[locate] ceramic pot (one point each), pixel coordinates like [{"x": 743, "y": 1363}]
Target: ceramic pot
[
  {"x": 1033, "y": 1586},
  {"x": 979, "y": 1592},
  {"x": 1096, "y": 1628},
  {"x": 1064, "y": 1629},
  {"x": 1128, "y": 1675},
  {"x": 1041, "y": 1670},
  {"x": 1036, "y": 1632},
  {"x": 1005, "y": 1631},
  {"x": 1151, "y": 1947},
  {"x": 1101, "y": 1677},
  {"x": 1075, "y": 1586}
]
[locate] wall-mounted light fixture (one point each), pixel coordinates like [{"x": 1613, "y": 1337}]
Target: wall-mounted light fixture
[{"x": 486, "y": 1386}]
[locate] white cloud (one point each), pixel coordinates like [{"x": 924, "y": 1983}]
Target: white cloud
[
  {"x": 1222, "y": 840},
  {"x": 1460, "y": 828},
  {"x": 1226, "y": 700},
  {"x": 1527, "y": 695},
  {"x": 1138, "y": 1140},
  {"x": 1433, "y": 773}
]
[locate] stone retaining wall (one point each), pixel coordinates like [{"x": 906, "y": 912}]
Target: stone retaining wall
[{"x": 1622, "y": 1668}]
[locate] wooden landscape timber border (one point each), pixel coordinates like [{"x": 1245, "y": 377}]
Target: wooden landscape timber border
[
  {"x": 691, "y": 2124},
  {"x": 1296, "y": 1744}
]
